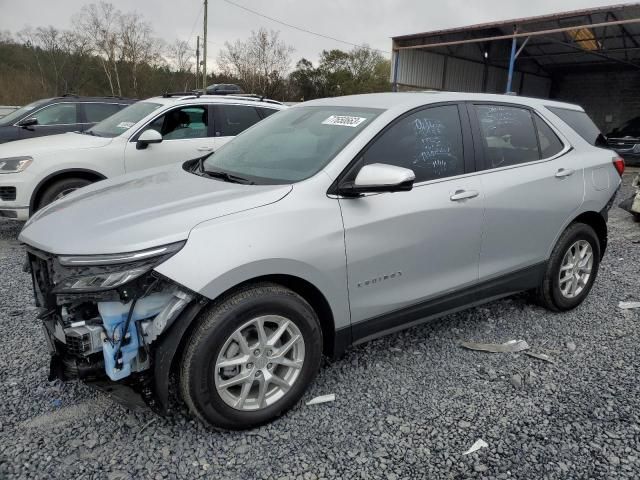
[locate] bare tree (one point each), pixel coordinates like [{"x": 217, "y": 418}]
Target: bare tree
[
  {"x": 180, "y": 59},
  {"x": 261, "y": 63},
  {"x": 99, "y": 23},
  {"x": 138, "y": 44}
]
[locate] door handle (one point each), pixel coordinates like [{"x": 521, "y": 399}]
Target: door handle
[
  {"x": 564, "y": 172},
  {"x": 463, "y": 195},
  {"x": 204, "y": 149}
]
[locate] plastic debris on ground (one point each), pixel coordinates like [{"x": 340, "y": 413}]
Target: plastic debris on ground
[
  {"x": 331, "y": 397},
  {"x": 628, "y": 305},
  {"x": 540, "y": 356},
  {"x": 512, "y": 346},
  {"x": 476, "y": 446}
]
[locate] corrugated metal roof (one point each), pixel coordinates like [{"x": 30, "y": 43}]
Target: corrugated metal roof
[{"x": 610, "y": 43}]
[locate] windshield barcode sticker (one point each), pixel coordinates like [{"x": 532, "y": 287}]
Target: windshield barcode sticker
[
  {"x": 125, "y": 125},
  {"x": 344, "y": 120}
]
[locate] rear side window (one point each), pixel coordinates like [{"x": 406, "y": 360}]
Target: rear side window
[
  {"x": 550, "y": 144},
  {"x": 234, "y": 119},
  {"x": 265, "y": 112},
  {"x": 96, "y": 112},
  {"x": 508, "y": 135},
  {"x": 429, "y": 142},
  {"x": 580, "y": 122}
]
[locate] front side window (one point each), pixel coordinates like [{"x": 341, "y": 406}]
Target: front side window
[
  {"x": 429, "y": 142},
  {"x": 508, "y": 135},
  {"x": 292, "y": 145},
  {"x": 120, "y": 122},
  {"x": 96, "y": 112},
  {"x": 182, "y": 123},
  {"x": 20, "y": 113},
  {"x": 57, "y": 114},
  {"x": 233, "y": 119}
]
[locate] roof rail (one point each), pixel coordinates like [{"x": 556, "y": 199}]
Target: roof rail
[
  {"x": 181, "y": 94},
  {"x": 253, "y": 97}
]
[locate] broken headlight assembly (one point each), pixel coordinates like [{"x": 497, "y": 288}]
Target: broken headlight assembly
[{"x": 95, "y": 273}]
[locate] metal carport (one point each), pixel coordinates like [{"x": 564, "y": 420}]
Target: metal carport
[{"x": 590, "y": 57}]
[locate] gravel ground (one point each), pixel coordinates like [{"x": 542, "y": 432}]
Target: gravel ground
[{"x": 407, "y": 405}]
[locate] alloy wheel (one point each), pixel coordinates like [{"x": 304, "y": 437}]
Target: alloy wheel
[
  {"x": 575, "y": 270},
  {"x": 259, "y": 363}
]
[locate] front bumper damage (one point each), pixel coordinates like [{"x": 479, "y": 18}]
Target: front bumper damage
[{"x": 122, "y": 339}]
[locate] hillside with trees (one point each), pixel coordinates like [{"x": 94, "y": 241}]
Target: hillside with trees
[{"x": 110, "y": 52}]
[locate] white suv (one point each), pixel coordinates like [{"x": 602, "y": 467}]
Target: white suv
[{"x": 151, "y": 133}]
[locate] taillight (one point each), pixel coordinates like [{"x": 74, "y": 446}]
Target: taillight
[{"x": 618, "y": 162}]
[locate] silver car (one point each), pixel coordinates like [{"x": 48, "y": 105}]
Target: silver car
[{"x": 326, "y": 225}]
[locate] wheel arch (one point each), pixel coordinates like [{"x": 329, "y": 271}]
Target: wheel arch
[
  {"x": 84, "y": 173},
  {"x": 596, "y": 221},
  {"x": 170, "y": 348}
]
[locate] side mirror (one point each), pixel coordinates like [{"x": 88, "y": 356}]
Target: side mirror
[
  {"x": 147, "y": 137},
  {"x": 28, "y": 122},
  {"x": 380, "y": 177}
]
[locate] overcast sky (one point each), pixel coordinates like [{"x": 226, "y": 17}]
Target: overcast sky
[{"x": 372, "y": 22}]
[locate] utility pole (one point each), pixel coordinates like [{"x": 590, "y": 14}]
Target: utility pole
[
  {"x": 197, "y": 60},
  {"x": 204, "y": 50}
]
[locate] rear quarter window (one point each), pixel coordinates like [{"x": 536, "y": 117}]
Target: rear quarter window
[{"x": 580, "y": 123}]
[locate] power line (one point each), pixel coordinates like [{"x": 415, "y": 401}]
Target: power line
[
  {"x": 195, "y": 22},
  {"x": 303, "y": 29}
]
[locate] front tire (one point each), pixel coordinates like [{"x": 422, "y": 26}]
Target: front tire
[
  {"x": 572, "y": 269},
  {"x": 59, "y": 189},
  {"x": 251, "y": 357}
]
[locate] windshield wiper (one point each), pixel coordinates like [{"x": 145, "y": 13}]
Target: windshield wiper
[
  {"x": 89, "y": 132},
  {"x": 227, "y": 177}
]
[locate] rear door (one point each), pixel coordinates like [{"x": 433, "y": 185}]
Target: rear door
[
  {"x": 94, "y": 112},
  {"x": 532, "y": 183},
  {"x": 231, "y": 120},
  {"x": 186, "y": 134},
  {"x": 406, "y": 248}
]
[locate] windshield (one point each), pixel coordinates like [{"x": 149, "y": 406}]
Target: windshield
[
  {"x": 122, "y": 121},
  {"x": 17, "y": 114},
  {"x": 291, "y": 145}
]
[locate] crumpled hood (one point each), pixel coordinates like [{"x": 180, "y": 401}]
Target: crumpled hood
[
  {"x": 140, "y": 210},
  {"x": 51, "y": 143}
]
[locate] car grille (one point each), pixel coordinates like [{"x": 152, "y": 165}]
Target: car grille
[
  {"x": 7, "y": 194},
  {"x": 623, "y": 142}
]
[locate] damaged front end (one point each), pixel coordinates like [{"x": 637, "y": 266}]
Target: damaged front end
[{"x": 104, "y": 317}]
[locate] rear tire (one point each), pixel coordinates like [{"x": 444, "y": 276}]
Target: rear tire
[
  {"x": 59, "y": 189},
  {"x": 572, "y": 269},
  {"x": 269, "y": 376}
]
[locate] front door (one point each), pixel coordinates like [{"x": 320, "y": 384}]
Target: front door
[
  {"x": 53, "y": 119},
  {"x": 406, "y": 248},
  {"x": 185, "y": 135}
]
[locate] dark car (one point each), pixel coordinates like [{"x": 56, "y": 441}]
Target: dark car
[
  {"x": 49, "y": 116},
  {"x": 224, "y": 89},
  {"x": 625, "y": 140}
]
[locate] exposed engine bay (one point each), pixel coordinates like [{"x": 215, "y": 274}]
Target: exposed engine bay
[{"x": 102, "y": 321}]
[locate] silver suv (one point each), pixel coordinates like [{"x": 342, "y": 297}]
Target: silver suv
[{"x": 325, "y": 225}]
